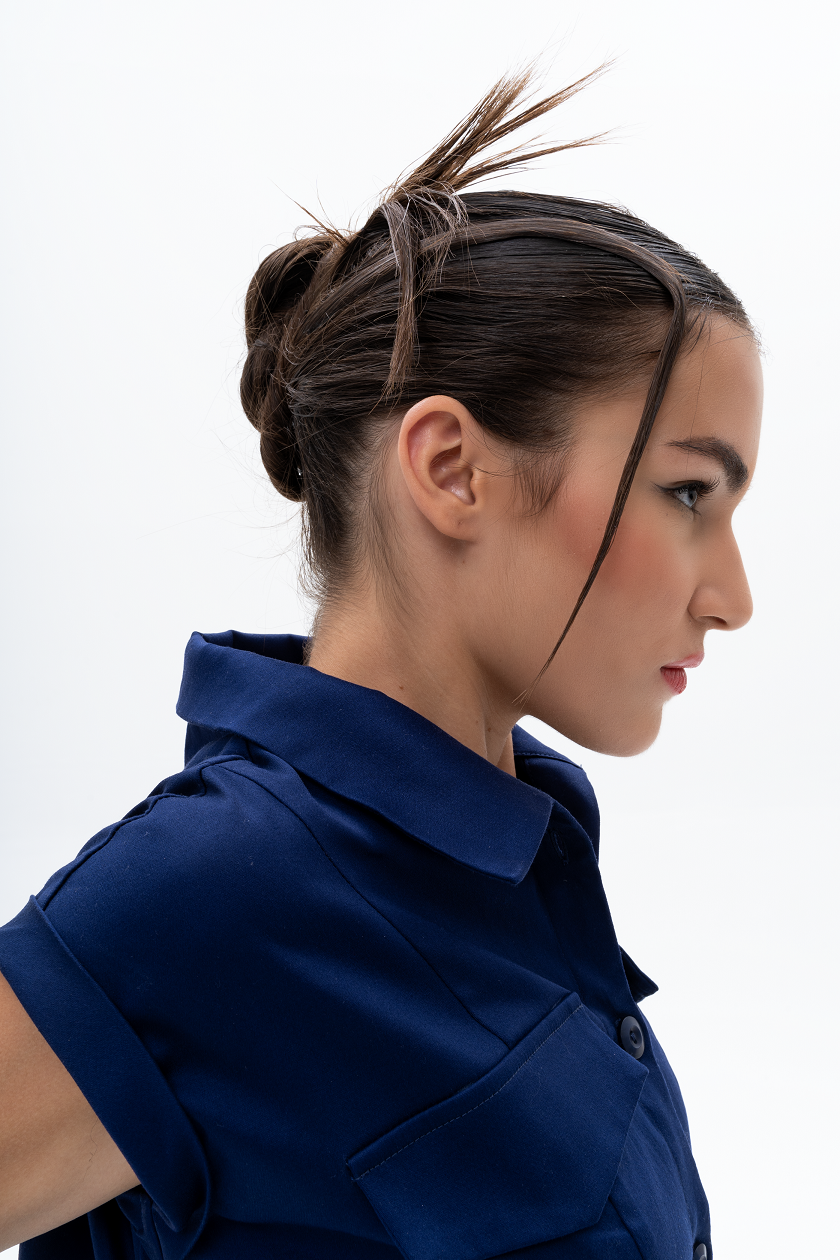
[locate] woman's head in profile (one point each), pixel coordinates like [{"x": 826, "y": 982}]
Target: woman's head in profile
[{"x": 518, "y": 426}]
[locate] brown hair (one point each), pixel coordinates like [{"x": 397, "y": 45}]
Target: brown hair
[{"x": 517, "y": 304}]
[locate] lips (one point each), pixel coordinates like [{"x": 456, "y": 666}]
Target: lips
[{"x": 674, "y": 673}]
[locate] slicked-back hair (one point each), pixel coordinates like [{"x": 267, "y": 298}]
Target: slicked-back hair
[{"x": 519, "y": 305}]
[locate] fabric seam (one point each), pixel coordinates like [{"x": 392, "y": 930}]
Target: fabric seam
[
  {"x": 133, "y": 1033},
  {"x": 116, "y": 827},
  {"x": 477, "y": 1106},
  {"x": 618, "y": 1213}
]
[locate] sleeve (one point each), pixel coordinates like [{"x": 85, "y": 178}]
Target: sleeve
[
  {"x": 112, "y": 1067},
  {"x": 129, "y": 962}
]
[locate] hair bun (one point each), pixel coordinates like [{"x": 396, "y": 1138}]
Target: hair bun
[{"x": 279, "y": 284}]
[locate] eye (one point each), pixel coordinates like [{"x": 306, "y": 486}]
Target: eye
[
  {"x": 687, "y": 495},
  {"x": 690, "y": 493}
]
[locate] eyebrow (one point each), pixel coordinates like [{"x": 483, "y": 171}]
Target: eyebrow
[{"x": 734, "y": 468}]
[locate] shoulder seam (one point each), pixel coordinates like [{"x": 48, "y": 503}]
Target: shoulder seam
[{"x": 123, "y": 822}]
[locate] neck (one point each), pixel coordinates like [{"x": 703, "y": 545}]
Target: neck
[{"x": 420, "y": 662}]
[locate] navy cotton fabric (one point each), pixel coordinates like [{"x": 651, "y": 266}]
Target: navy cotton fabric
[{"x": 343, "y": 990}]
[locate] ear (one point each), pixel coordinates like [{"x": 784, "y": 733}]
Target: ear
[{"x": 450, "y": 470}]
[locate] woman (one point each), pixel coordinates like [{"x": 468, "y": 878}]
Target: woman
[{"x": 347, "y": 986}]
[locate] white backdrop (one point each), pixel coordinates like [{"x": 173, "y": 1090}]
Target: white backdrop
[{"x": 152, "y": 154}]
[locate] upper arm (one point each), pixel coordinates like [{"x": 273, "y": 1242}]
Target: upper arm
[
  {"x": 128, "y": 962},
  {"x": 57, "y": 1161}
]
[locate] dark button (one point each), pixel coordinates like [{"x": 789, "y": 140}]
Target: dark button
[
  {"x": 633, "y": 1040},
  {"x": 700, "y": 1252}
]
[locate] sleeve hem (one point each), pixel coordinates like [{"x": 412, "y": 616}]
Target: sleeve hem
[{"x": 112, "y": 1068}]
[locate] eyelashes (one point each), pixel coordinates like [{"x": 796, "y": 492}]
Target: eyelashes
[{"x": 690, "y": 493}]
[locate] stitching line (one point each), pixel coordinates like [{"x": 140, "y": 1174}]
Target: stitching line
[
  {"x": 621, "y": 1218},
  {"x": 470, "y": 1110},
  {"x": 111, "y": 832}
]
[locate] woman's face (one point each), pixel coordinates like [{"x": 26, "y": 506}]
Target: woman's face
[{"x": 673, "y": 573}]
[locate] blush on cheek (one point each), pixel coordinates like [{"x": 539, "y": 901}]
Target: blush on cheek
[
  {"x": 580, "y": 520},
  {"x": 641, "y": 560},
  {"x": 632, "y": 618}
]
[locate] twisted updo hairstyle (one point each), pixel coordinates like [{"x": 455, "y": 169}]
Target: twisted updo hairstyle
[{"x": 519, "y": 305}]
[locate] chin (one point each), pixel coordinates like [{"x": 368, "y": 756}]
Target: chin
[
  {"x": 614, "y": 736},
  {"x": 630, "y": 745}
]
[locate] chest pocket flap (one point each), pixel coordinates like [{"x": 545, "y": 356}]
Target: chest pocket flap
[{"x": 525, "y": 1154}]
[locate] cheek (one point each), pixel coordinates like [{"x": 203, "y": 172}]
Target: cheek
[
  {"x": 643, "y": 588},
  {"x": 643, "y": 569},
  {"x": 645, "y": 580},
  {"x": 579, "y": 521},
  {"x": 632, "y": 617}
]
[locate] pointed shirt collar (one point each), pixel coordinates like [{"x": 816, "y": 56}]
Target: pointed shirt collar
[{"x": 371, "y": 749}]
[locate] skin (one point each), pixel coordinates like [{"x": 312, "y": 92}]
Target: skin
[
  {"x": 56, "y": 1160},
  {"x": 487, "y": 588},
  {"x": 491, "y": 587}
]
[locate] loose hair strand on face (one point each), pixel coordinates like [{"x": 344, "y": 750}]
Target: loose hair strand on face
[{"x": 519, "y": 305}]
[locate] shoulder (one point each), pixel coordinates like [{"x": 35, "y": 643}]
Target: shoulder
[
  {"x": 198, "y": 892},
  {"x": 234, "y": 816}
]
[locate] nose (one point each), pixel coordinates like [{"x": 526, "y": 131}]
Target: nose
[{"x": 722, "y": 599}]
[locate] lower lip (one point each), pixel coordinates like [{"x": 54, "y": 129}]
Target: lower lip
[{"x": 675, "y": 678}]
